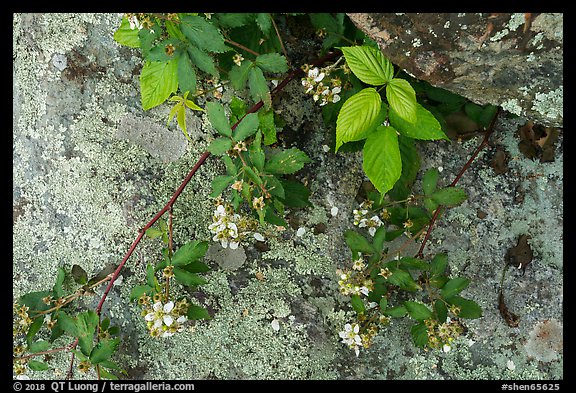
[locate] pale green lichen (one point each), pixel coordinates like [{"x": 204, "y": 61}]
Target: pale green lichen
[{"x": 551, "y": 104}]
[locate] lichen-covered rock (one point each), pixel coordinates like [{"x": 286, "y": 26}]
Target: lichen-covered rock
[{"x": 511, "y": 60}]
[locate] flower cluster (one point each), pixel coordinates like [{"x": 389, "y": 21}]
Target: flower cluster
[
  {"x": 354, "y": 282},
  {"x": 441, "y": 335},
  {"x": 314, "y": 81},
  {"x": 164, "y": 319},
  {"x": 229, "y": 227},
  {"x": 361, "y": 333},
  {"x": 362, "y": 219}
]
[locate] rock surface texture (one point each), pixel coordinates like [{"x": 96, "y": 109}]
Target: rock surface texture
[{"x": 510, "y": 60}]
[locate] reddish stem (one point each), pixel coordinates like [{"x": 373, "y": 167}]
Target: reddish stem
[{"x": 456, "y": 179}]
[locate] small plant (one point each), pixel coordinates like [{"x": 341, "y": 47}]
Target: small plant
[{"x": 371, "y": 105}]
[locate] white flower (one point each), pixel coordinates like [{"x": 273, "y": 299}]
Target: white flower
[
  {"x": 351, "y": 337},
  {"x": 315, "y": 74},
  {"x": 258, "y": 237}
]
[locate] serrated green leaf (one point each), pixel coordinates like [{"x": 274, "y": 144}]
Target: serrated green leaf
[
  {"x": 196, "y": 267},
  {"x": 425, "y": 126},
  {"x": 381, "y": 158},
  {"x": 157, "y": 81},
  {"x": 357, "y": 242},
  {"x": 259, "y": 87},
  {"x": 36, "y": 365},
  {"x": 231, "y": 169},
  {"x": 147, "y": 38},
  {"x": 441, "y": 311},
  {"x": 154, "y": 233},
  {"x": 186, "y": 73},
  {"x": 151, "y": 279},
  {"x": 139, "y": 290},
  {"x": 454, "y": 287},
  {"x": 409, "y": 263},
  {"x": 257, "y": 157},
  {"x": 103, "y": 350},
  {"x": 271, "y": 62},
  {"x": 419, "y": 334},
  {"x": 38, "y": 346},
  {"x": 202, "y": 33},
  {"x": 402, "y": 99},
  {"x": 234, "y": 19},
  {"x": 268, "y": 126},
  {"x": 158, "y": 51},
  {"x": 253, "y": 176},
  {"x": 124, "y": 35},
  {"x": 286, "y": 161},
  {"x": 181, "y": 118},
  {"x": 187, "y": 278},
  {"x": 438, "y": 281},
  {"x": 33, "y": 301},
  {"x": 410, "y": 167},
  {"x": 173, "y": 30},
  {"x": 369, "y": 64},
  {"x": 469, "y": 309},
  {"x": 189, "y": 252},
  {"x": 449, "y": 196},
  {"x": 86, "y": 323},
  {"x": 383, "y": 303},
  {"x": 264, "y": 22},
  {"x": 357, "y": 115},
  {"x": 203, "y": 61},
  {"x": 395, "y": 312},
  {"x": 438, "y": 264},
  {"x": 403, "y": 280},
  {"x": 239, "y": 74},
  {"x": 33, "y": 330},
  {"x": 219, "y": 146},
  {"x": 197, "y": 312},
  {"x": 295, "y": 194},
  {"x": 417, "y": 311},
  {"x": 430, "y": 180},
  {"x": 215, "y": 112},
  {"x": 379, "y": 239},
  {"x": 79, "y": 275},
  {"x": 67, "y": 323},
  {"x": 357, "y": 304},
  {"x": 247, "y": 127},
  {"x": 57, "y": 288},
  {"x": 105, "y": 374},
  {"x": 192, "y": 105}
]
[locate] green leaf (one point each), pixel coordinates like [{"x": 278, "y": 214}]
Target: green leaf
[
  {"x": 34, "y": 329},
  {"x": 410, "y": 167},
  {"x": 263, "y": 20},
  {"x": 409, "y": 263},
  {"x": 379, "y": 239},
  {"x": 454, "y": 287},
  {"x": 157, "y": 81},
  {"x": 151, "y": 279},
  {"x": 190, "y": 252},
  {"x": 230, "y": 167},
  {"x": 469, "y": 309},
  {"x": 383, "y": 303},
  {"x": 127, "y": 36},
  {"x": 403, "y": 280},
  {"x": 295, "y": 194},
  {"x": 187, "y": 278},
  {"x": 220, "y": 146},
  {"x": 196, "y": 267},
  {"x": 449, "y": 196},
  {"x": 202, "y": 33},
  {"x": 139, "y": 290},
  {"x": 357, "y": 304},
  {"x": 86, "y": 323},
  {"x": 57, "y": 289},
  {"x": 247, "y": 127},
  {"x": 286, "y": 161},
  {"x": 429, "y": 181},
  {"x": 396, "y": 312},
  {"x": 173, "y": 30},
  {"x": 203, "y": 61},
  {"x": 419, "y": 334},
  {"x": 158, "y": 52},
  {"x": 181, "y": 118},
  {"x": 79, "y": 275},
  {"x": 417, "y": 311},
  {"x": 382, "y": 162},
  {"x": 154, "y": 233},
  {"x": 67, "y": 323},
  {"x": 272, "y": 62},
  {"x": 105, "y": 374},
  {"x": 438, "y": 264},
  {"x": 369, "y": 64},
  {"x": 441, "y": 310},
  {"x": 147, "y": 37},
  {"x": 357, "y": 115},
  {"x": 239, "y": 74},
  {"x": 268, "y": 126},
  {"x": 38, "y": 346},
  {"x": 103, "y": 350},
  {"x": 357, "y": 242},
  {"x": 438, "y": 281},
  {"x": 259, "y": 87},
  {"x": 186, "y": 73},
  {"x": 197, "y": 312},
  {"x": 215, "y": 112},
  {"x": 402, "y": 99},
  {"x": 233, "y": 19},
  {"x": 425, "y": 126},
  {"x": 36, "y": 365}
]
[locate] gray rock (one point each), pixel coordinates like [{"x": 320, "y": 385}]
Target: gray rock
[{"x": 510, "y": 60}]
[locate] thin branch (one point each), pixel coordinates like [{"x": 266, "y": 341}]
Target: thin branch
[
  {"x": 236, "y": 44},
  {"x": 279, "y": 39},
  {"x": 484, "y": 142}
]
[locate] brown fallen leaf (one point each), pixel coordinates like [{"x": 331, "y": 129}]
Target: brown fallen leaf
[
  {"x": 499, "y": 162},
  {"x": 537, "y": 141},
  {"x": 520, "y": 255},
  {"x": 511, "y": 319}
]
